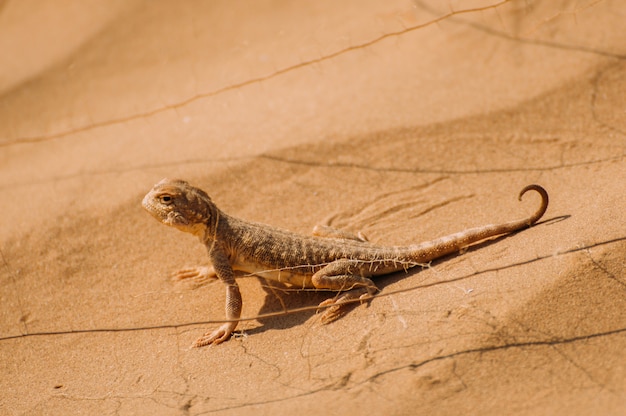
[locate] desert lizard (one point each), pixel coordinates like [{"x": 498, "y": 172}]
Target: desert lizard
[{"x": 330, "y": 259}]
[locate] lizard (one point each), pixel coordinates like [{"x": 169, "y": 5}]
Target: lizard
[{"x": 330, "y": 259}]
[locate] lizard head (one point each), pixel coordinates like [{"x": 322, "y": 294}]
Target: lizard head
[{"x": 180, "y": 205}]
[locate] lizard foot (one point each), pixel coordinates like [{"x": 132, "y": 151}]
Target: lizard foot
[
  {"x": 339, "y": 305},
  {"x": 218, "y": 336},
  {"x": 195, "y": 276}
]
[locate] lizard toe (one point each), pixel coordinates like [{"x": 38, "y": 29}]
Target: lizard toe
[
  {"x": 195, "y": 277},
  {"x": 336, "y": 307},
  {"x": 332, "y": 313}
]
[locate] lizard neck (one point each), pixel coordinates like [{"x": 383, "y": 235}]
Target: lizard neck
[{"x": 215, "y": 219}]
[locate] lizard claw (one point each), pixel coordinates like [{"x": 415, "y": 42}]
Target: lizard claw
[{"x": 218, "y": 336}]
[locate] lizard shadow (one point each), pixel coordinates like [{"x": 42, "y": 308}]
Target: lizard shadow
[
  {"x": 286, "y": 305},
  {"x": 393, "y": 278},
  {"x": 281, "y": 298}
]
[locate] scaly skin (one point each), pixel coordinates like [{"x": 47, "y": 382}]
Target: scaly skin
[{"x": 331, "y": 260}]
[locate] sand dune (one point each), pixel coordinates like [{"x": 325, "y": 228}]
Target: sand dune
[{"x": 404, "y": 120}]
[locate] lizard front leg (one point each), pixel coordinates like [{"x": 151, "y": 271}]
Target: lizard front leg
[
  {"x": 224, "y": 272},
  {"x": 348, "y": 276}
]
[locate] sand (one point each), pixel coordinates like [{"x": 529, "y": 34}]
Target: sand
[{"x": 403, "y": 120}]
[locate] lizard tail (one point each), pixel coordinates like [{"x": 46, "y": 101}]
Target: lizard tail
[
  {"x": 425, "y": 252},
  {"x": 544, "y": 202}
]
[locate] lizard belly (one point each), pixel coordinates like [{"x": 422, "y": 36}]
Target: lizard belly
[{"x": 295, "y": 276}]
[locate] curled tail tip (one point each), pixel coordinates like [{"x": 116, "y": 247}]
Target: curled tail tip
[{"x": 544, "y": 201}]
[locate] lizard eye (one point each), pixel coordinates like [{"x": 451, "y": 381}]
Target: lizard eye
[{"x": 166, "y": 199}]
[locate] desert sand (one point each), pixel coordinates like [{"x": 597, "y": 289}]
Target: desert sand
[{"x": 404, "y": 120}]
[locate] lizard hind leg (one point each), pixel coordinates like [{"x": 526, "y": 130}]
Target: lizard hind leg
[
  {"x": 326, "y": 231},
  {"x": 343, "y": 276}
]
